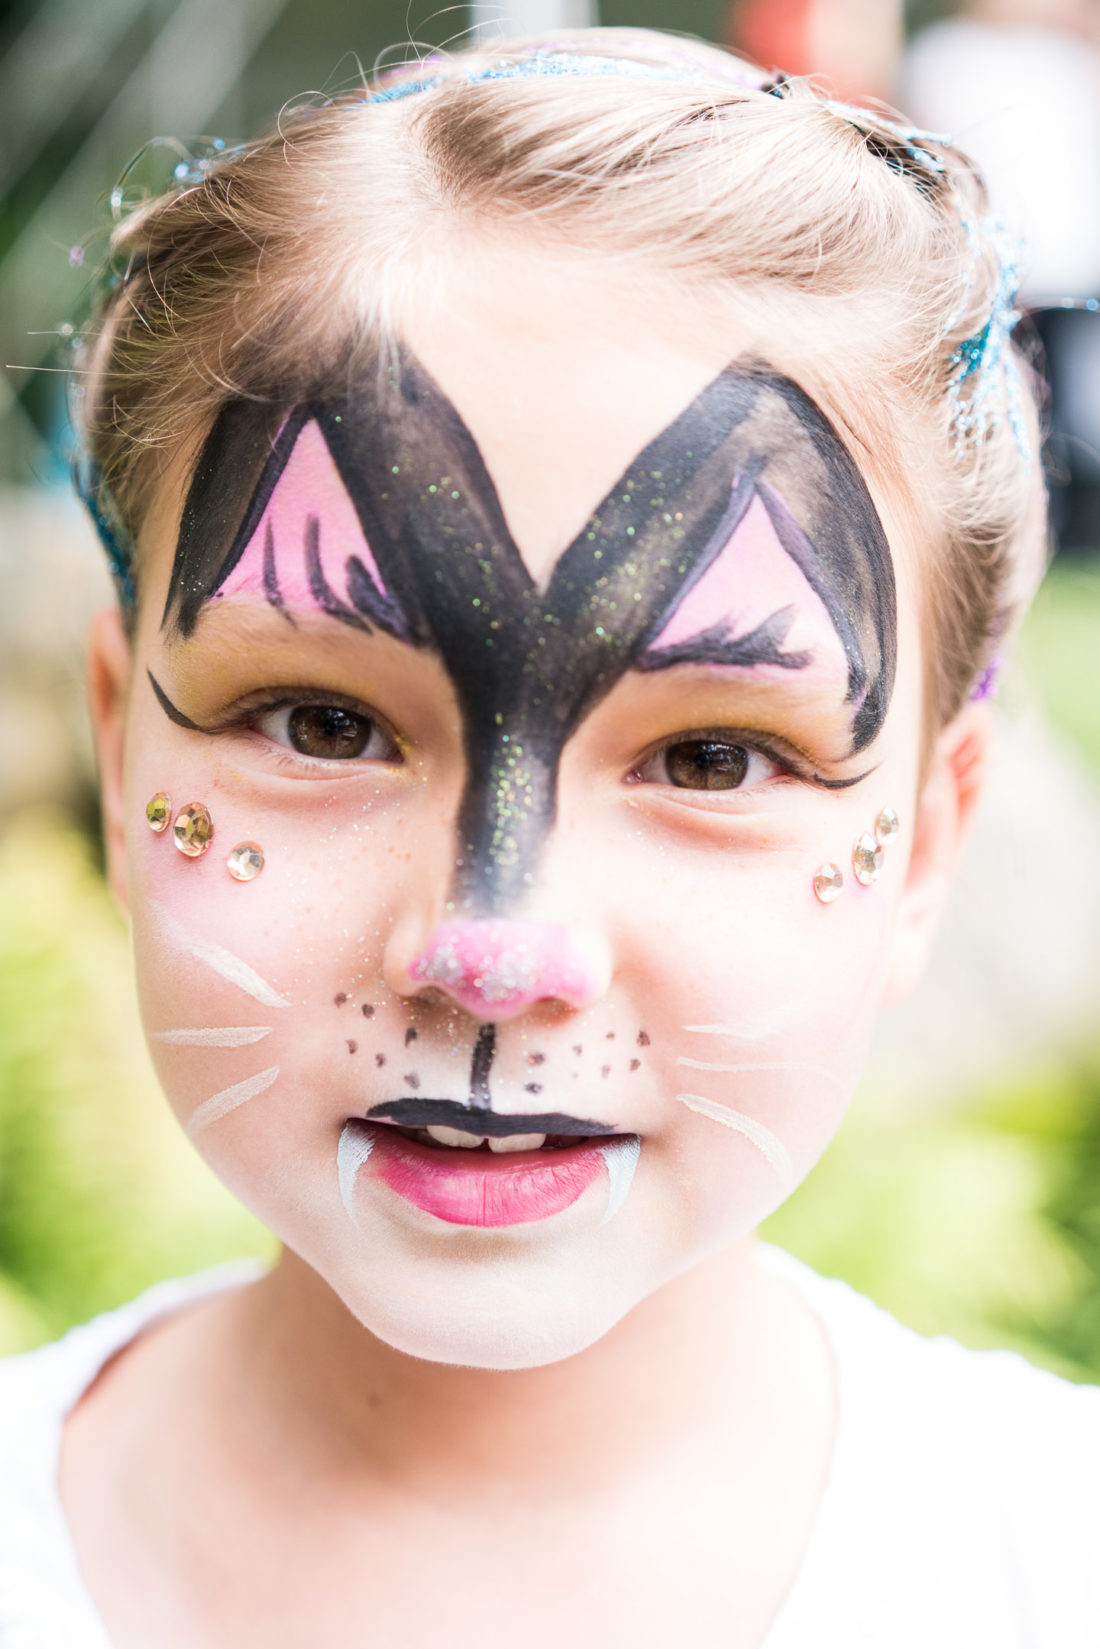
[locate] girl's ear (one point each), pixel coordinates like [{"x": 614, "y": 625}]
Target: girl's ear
[
  {"x": 108, "y": 689},
  {"x": 945, "y": 811}
]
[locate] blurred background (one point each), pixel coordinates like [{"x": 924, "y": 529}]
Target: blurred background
[{"x": 962, "y": 1192}]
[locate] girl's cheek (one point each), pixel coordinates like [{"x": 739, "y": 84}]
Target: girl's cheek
[
  {"x": 766, "y": 1003},
  {"x": 241, "y": 978}
]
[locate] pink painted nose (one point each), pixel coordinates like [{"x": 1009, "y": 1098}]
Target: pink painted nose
[{"x": 495, "y": 969}]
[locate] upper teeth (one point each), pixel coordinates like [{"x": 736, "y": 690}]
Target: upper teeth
[
  {"x": 456, "y": 1136},
  {"x": 468, "y": 1142}
]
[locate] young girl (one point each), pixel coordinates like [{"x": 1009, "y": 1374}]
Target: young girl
[{"x": 565, "y": 502}]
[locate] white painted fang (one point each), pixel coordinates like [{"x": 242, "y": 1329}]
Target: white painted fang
[
  {"x": 767, "y": 1143},
  {"x": 218, "y": 1036},
  {"x": 766, "y": 1065},
  {"x": 220, "y": 961},
  {"x": 220, "y": 1105},
  {"x": 621, "y": 1158},
  {"x": 352, "y": 1152}
]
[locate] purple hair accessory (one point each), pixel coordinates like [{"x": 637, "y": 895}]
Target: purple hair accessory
[{"x": 988, "y": 683}]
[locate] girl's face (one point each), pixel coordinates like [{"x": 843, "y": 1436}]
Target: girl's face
[{"x": 546, "y": 667}]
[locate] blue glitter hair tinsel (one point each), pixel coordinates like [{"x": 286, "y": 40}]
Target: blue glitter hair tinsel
[
  {"x": 116, "y": 541},
  {"x": 544, "y": 62},
  {"x": 984, "y": 381}
]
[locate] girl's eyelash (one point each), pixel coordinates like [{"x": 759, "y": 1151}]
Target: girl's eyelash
[
  {"x": 793, "y": 761},
  {"x": 247, "y": 710}
]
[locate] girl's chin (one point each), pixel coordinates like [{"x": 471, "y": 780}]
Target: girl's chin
[{"x": 488, "y": 1329}]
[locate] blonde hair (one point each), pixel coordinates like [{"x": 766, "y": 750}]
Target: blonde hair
[{"x": 695, "y": 164}]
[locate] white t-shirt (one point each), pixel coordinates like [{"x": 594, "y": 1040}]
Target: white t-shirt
[{"x": 962, "y": 1508}]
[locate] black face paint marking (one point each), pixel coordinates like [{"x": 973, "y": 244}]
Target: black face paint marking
[
  {"x": 480, "y": 1066},
  {"x": 527, "y": 667},
  {"x": 448, "y": 1113},
  {"x": 169, "y": 708}
]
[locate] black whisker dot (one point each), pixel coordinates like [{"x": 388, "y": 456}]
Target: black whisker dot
[
  {"x": 577, "y": 1049},
  {"x": 353, "y": 1047},
  {"x": 340, "y": 998},
  {"x": 412, "y": 1080},
  {"x": 532, "y": 1087},
  {"x": 605, "y": 1070},
  {"x": 536, "y": 1059},
  {"x": 380, "y": 1060},
  {"x": 643, "y": 1039},
  {"x": 410, "y": 1035},
  {"x": 367, "y": 1010},
  {"x": 635, "y": 1064},
  {"x": 611, "y": 1036}
]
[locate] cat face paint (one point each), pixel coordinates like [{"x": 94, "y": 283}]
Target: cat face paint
[{"x": 742, "y": 521}]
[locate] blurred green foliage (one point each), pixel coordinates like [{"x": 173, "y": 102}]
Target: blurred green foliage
[{"x": 980, "y": 1220}]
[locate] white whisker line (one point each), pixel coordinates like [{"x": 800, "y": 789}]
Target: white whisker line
[
  {"x": 769, "y": 1146},
  {"x": 222, "y": 962},
  {"x": 759, "y": 1034},
  {"x": 217, "y": 1036},
  {"x": 766, "y": 1065},
  {"x": 220, "y": 1105}
]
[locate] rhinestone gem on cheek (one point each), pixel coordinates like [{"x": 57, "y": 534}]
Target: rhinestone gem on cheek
[
  {"x": 829, "y": 883},
  {"x": 887, "y": 826},
  {"x": 158, "y": 812},
  {"x": 245, "y": 862},
  {"x": 868, "y": 859},
  {"x": 193, "y": 830}
]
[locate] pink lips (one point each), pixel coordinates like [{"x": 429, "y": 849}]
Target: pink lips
[{"x": 480, "y": 1187}]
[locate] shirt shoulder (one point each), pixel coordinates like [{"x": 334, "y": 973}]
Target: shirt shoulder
[
  {"x": 43, "y": 1603},
  {"x": 963, "y": 1484}
]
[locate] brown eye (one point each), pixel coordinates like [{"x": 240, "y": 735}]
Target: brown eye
[
  {"x": 704, "y": 764},
  {"x": 328, "y": 732}
]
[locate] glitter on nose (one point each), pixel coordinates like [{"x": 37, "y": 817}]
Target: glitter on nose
[{"x": 505, "y": 965}]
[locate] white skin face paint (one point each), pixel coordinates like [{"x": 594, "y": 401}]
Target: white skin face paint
[{"x": 694, "y": 909}]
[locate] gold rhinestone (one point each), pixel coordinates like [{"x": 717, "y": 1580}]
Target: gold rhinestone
[
  {"x": 193, "y": 830},
  {"x": 245, "y": 862},
  {"x": 887, "y": 826},
  {"x": 868, "y": 859},
  {"x": 159, "y": 812},
  {"x": 829, "y": 883}
]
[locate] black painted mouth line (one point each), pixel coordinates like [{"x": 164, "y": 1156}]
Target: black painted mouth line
[{"x": 448, "y": 1113}]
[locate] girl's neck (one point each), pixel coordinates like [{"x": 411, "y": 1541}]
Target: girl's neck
[{"x": 700, "y": 1359}]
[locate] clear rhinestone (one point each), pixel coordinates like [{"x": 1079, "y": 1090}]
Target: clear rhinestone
[
  {"x": 887, "y": 826},
  {"x": 829, "y": 883},
  {"x": 245, "y": 862},
  {"x": 159, "y": 812},
  {"x": 193, "y": 829},
  {"x": 868, "y": 859}
]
